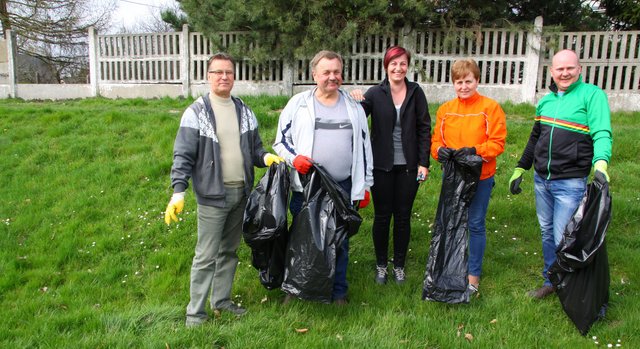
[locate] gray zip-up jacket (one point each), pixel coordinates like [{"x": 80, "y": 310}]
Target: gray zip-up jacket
[
  {"x": 196, "y": 152},
  {"x": 296, "y": 128}
]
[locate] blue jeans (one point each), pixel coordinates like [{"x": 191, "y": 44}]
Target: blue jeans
[
  {"x": 477, "y": 225},
  {"x": 556, "y": 202},
  {"x": 340, "y": 285}
]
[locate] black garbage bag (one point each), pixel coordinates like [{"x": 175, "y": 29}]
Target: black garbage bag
[
  {"x": 265, "y": 225},
  {"x": 446, "y": 277},
  {"x": 581, "y": 271},
  {"x": 326, "y": 219}
]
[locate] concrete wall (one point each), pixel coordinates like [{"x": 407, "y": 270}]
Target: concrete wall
[
  {"x": 245, "y": 88},
  {"x": 617, "y": 101},
  {"x": 435, "y": 93},
  {"x": 138, "y": 91},
  {"x": 53, "y": 91}
]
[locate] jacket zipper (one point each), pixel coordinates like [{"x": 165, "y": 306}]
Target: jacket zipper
[{"x": 553, "y": 127}]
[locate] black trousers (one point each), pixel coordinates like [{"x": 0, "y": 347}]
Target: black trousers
[{"x": 393, "y": 194}]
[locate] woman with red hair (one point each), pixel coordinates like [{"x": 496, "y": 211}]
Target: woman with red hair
[{"x": 400, "y": 141}]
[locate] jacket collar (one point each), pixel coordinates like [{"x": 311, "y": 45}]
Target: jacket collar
[
  {"x": 471, "y": 99},
  {"x": 554, "y": 88},
  {"x": 386, "y": 87}
]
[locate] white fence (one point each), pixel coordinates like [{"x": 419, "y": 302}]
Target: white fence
[{"x": 514, "y": 64}]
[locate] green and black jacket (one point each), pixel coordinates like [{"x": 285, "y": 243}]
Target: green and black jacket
[{"x": 571, "y": 132}]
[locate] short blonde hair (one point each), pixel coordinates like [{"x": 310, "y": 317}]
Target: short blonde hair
[{"x": 463, "y": 67}]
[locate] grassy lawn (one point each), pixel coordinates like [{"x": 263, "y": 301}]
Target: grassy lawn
[{"x": 87, "y": 261}]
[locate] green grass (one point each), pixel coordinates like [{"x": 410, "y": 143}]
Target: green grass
[{"x": 87, "y": 261}]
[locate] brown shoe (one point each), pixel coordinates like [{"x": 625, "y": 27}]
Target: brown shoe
[
  {"x": 341, "y": 302},
  {"x": 541, "y": 292},
  {"x": 288, "y": 298}
]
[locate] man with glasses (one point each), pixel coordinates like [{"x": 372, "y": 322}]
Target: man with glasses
[{"x": 217, "y": 146}]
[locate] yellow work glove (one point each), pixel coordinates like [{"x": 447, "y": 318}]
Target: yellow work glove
[
  {"x": 176, "y": 204},
  {"x": 601, "y": 165},
  {"x": 271, "y": 159},
  {"x": 515, "y": 180}
]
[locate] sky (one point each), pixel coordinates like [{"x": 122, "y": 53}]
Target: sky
[{"x": 129, "y": 12}]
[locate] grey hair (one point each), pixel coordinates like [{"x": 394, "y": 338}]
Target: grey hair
[{"x": 325, "y": 54}]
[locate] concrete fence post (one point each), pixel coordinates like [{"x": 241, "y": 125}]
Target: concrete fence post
[
  {"x": 12, "y": 54},
  {"x": 94, "y": 74},
  {"x": 185, "y": 61},
  {"x": 532, "y": 62},
  {"x": 288, "y": 72}
]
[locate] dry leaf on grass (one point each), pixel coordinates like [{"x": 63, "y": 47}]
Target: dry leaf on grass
[
  {"x": 468, "y": 336},
  {"x": 460, "y": 327},
  {"x": 493, "y": 321},
  {"x": 302, "y": 330}
]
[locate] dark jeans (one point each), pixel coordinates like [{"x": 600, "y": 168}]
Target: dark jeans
[
  {"x": 340, "y": 285},
  {"x": 393, "y": 194}
]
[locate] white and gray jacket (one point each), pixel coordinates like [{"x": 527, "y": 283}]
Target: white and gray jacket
[
  {"x": 295, "y": 133},
  {"x": 196, "y": 151}
]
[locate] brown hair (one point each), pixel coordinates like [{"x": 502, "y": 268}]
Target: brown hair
[
  {"x": 463, "y": 67},
  {"x": 221, "y": 56}
]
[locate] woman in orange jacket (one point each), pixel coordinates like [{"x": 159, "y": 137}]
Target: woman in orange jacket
[{"x": 471, "y": 124}]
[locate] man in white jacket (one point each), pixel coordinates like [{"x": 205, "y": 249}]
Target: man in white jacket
[{"x": 325, "y": 125}]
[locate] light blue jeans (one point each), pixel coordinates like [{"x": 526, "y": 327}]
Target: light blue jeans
[
  {"x": 556, "y": 202},
  {"x": 477, "y": 225}
]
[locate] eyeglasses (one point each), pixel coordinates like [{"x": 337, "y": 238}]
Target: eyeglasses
[{"x": 220, "y": 73}]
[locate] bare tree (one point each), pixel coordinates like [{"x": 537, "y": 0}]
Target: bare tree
[
  {"x": 163, "y": 19},
  {"x": 55, "y": 31}
]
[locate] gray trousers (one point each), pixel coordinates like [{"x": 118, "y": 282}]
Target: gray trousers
[{"x": 215, "y": 261}]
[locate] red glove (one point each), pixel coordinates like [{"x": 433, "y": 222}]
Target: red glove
[
  {"x": 365, "y": 202},
  {"x": 302, "y": 164}
]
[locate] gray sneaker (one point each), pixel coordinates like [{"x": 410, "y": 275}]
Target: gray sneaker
[
  {"x": 190, "y": 322},
  {"x": 381, "y": 274},
  {"x": 472, "y": 290},
  {"x": 232, "y": 308},
  {"x": 398, "y": 275}
]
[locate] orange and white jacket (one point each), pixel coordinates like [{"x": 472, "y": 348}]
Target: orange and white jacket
[{"x": 477, "y": 122}]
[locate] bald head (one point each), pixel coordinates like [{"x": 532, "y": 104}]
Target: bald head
[{"x": 565, "y": 69}]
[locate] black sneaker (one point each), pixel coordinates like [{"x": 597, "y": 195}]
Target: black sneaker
[
  {"x": 381, "y": 274},
  {"x": 398, "y": 275},
  {"x": 232, "y": 308}
]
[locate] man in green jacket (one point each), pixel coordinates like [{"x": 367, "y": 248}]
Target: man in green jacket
[{"x": 571, "y": 133}]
